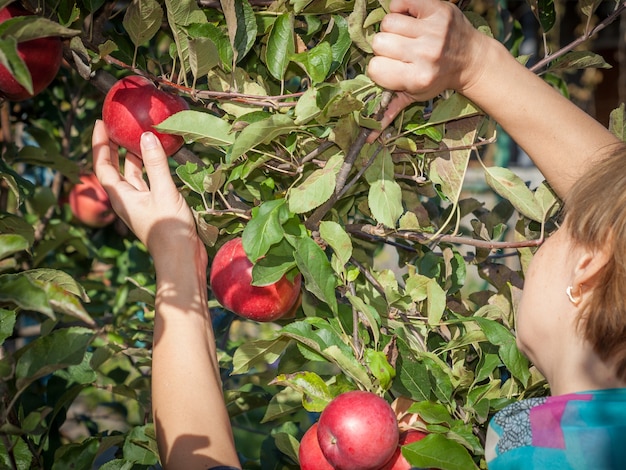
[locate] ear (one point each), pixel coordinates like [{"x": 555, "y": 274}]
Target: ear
[{"x": 589, "y": 264}]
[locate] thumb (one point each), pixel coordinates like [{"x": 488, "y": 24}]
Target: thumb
[
  {"x": 396, "y": 105},
  {"x": 155, "y": 163}
]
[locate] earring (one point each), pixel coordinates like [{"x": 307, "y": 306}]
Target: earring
[{"x": 571, "y": 297}]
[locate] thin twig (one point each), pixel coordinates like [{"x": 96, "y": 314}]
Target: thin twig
[{"x": 572, "y": 45}]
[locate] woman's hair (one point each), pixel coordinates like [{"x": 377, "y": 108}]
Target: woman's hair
[{"x": 596, "y": 219}]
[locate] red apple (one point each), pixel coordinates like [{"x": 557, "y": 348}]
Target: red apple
[
  {"x": 358, "y": 431},
  {"x": 397, "y": 461},
  {"x": 90, "y": 203},
  {"x": 42, "y": 57},
  {"x": 133, "y": 106},
  {"x": 231, "y": 282},
  {"x": 310, "y": 453}
]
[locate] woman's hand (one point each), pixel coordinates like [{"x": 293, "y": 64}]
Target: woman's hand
[
  {"x": 423, "y": 48},
  {"x": 156, "y": 211}
]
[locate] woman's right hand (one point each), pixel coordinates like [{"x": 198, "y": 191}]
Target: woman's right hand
[
  {"x": 155, "y": 211},
  {"x": 423, "y": 48}
]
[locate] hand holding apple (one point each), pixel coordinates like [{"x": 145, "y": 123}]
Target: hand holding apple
[
  {"x": 231, "y": 282},
  {"x": 42, "y": 57},
  {"x": 133, "y": 106}
]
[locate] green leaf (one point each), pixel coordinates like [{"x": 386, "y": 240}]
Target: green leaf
[
  {"x": 274, "y": 265},
  {"x": 287, "y": 444},
  {"x": 380, "y": 368},
  {"x": 617, "y": 122},
  {"x": 545, "y": 12},
  {"x": 317, "y": 188},
  {"x": 256, "y": 352},
  {"x": 261, "y": 132},
  {"x": 11, "y": 244},
  {"x": 76, "y": 454},
  {"x": 142, "y": 20},
  {"x": 319, "y": 278},
  {"x": 281, "y": 45},
  {"x": 203, "y": 56},
  {"x": 339, "y": 40},
  {"x": 181, "y": 14},
  {"x": 435, "y": 301},
  {"x": 577, "y": 60},
  {"x": 316, "y": 62},
  {"x": 385, "y": 201},
  {"x": 192, "y": 176},
  {"x": 264, "y": 229},
  {"x": 140, "y": 445},
  {"x": 59, "y": 278},
  {"x": 7, "y": 323},
  {"x": 360, "y": 35},
  {"x": 511, "y": 187},
  {"x": 315, "y": 392},
  {"x": 19, "y": 290},
  {"x": 510, "y": 355},
  {"x": 27, "y": 28},
  {"x": 449, "y": 168},
  {"x": 14, "y": 63},
  {"x": 242, "y": 26},
  {"x": 588, "y": 7},
  {"x": 431, "y": 413},
  {"x": 57, "y": 350},
  {"x": 337, "y": 239},
  {"x": 436, "y": 451},
  {"x": 197, "y": 126}
]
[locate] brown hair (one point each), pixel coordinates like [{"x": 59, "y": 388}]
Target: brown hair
[{"x": 595, "y": 211}]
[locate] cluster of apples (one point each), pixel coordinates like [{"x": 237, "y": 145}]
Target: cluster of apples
[{"x": 357, "y": 430}]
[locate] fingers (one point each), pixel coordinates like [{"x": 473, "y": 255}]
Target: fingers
[
  {"x": 415, "y": 8},
  {"x": 105, "y": 158},
  {"x": 395, "y": 107},
  {"x": 133, "y": 172},
  {"x": 157, "y": 168}
]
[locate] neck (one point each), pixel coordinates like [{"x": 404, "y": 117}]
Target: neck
[{"x": 582, "y": 370}]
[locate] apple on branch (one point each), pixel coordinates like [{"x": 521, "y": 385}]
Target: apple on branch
[
  {"x": 398, "y": 461},
  {"x": 231, "y": 283},
  {"x": 90, "y": 203},
  {"x": 42, "y": 57},
  {"x": 310, "y": 453},
  {"x": 358, "y": 430},
  {"x": 135, "y": 105}
]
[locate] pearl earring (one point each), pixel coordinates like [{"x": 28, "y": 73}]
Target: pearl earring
[{"x": 571, "y": 297}]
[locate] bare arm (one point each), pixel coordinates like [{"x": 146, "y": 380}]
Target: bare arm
[
  {"x": 427, "y": 46},
  {"x": 192, "y": 424}
]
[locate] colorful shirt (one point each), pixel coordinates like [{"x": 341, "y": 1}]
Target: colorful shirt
[{"x": 575, "y": 431}]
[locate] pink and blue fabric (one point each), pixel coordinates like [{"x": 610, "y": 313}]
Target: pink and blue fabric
[{"x": 585, "y": 431}]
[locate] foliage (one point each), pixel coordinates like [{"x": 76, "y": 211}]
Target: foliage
[{"x": 276, "y": 153}]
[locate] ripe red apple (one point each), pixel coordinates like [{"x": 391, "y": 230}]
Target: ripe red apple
[
  {"x": 358, "y": 431},
  {"x": 42, "y": 58},
  {"x": 90, "y": 203},
  {"x": 397, "y": 461},
  {"x": 133, "y": 106},
  {"x": 231, "y": 278},
  {"x": 310, "y": 453}
]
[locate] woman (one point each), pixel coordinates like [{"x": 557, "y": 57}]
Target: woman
[{"x": 572, "y": 318}]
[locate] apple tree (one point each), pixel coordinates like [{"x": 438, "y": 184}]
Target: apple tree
[{"x": 409, "y": 281}]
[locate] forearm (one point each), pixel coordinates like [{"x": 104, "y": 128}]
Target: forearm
[
  {"x": 192, "y": 424},
  {"x": 561, "y": 139}
]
